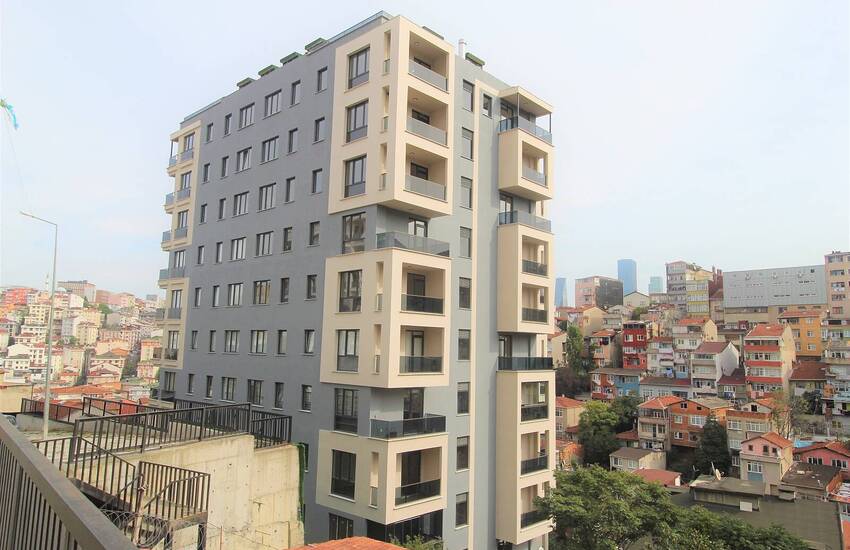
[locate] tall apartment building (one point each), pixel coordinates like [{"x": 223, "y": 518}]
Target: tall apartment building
[
  {"x": 837, "y": 268},
  {"x": 561, "y": 299},
  {"x": 627, "y": 273},
  {"x": 656, "y": 285},
  {"x": 83, "y": 288},
  {"x": 598, "y": 291},
  {"x": 678, "y": 275},
  {"x": 769, "y": 355},
  {"x": 358, "y": 240},
  {"x": 760, "y": 295}
]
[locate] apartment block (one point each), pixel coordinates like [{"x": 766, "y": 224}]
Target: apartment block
[
  {"x": 599, "y": 291},
  {"x": 636, "y": 337},
  {"x": 769, "y": 355},
  {"x": 837, "y": 270},
  {"x": 688, "y": 334},
  {"x": 678, "y": 275},
  {"x": 805, "y": 328},
  {"x": 359, "y": 239},
  {"x": 760, "y": 295},
  {"x": 710, "y": 362}
]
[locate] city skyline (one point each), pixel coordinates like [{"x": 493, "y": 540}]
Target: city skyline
[{"x": 673, "y": 137}]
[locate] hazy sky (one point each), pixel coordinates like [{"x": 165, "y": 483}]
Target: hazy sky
[{"x": 715, "y": 132}]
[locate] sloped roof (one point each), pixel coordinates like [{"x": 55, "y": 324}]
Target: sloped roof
[
  {"x": 766, "y": 330},
  {"x": 809, "y": 370},
  {"x": 665, "y": 477},
  {"x": 737, "y": 378},
  {"x": 351, "y": 543},
  {"x": 660, "y": 402},
  {"x": 712, "y": 347},
  {"x": 834, "y": 446},
  {"x": 568, "y": 402},
  {"x": 774, "y": 438}
]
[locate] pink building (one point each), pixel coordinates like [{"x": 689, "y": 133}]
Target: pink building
[{"x": 830, "y": 453}]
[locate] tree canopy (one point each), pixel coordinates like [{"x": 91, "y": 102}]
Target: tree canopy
[
  {"x": 712, "y": 448},
  {"x": 596, "y": 432},
  {"x": 626, "y": 409}
]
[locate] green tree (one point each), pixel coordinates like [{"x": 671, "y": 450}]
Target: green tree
[
  {"x": 104, "y": 309},
  {"x": 569, "y": 382},
  {"x": 726, "y": 531},
  {"x": 626, "y": 409},
  {"x": 712, "y": 448},
  {"x": 596, "y": 432},
  {"x": 638, "y": 311}
]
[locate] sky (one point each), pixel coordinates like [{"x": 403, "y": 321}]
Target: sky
[{"x": 714, "y": 132}]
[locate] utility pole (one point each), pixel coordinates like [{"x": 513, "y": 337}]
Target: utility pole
[{"x": 47, "y": 371}]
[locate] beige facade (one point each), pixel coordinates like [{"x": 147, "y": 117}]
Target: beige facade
[{"x": 526, "y": 302}]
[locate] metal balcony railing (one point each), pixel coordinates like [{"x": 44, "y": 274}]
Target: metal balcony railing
[
  {"x": 392, "y": 429},
  {"x": 347, "y": 363},
  {"x": 534, "y": 315},
  {"x": 174, "y": 312},
  {"x": 534, "y": 412},
  {"x": 537, "y": 464},
  {"x": 533, "y": 175},
  {"x": 427, "y": 75},
  {"x": 532, "y": 517},
  {"x": 524, "y": 218},
  {"x": 534, "y": 268},
  {"x": 181, "y": 232},
  {"x": 172, "y": 273},
  {"x": 349, "y": 303},
  {"x": 425, "y": 130},
  {"x": 524, "y": 124},
  {"x": 64, "y": 414},
  {"x": 425, "y": 187},
  {"x": 166, "y": 236},
  {"x": 396, "y": 239},
  {"x": 188, "y": 154},
  {"x": 421, "y": 304},
  {"x": 525, "y": 363},
  {"x": 414, "y": 363}
]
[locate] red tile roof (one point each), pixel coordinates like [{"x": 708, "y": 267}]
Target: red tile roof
[
  {"x": 774, "y": 438},
  {"x": 791, "y": 313},
  {"x": 630, "y": 435},
  {"x": 737, "y": 378},
  {"x": 664, "y": 381},
  {"x": 689, "y": 321},
  {"x": 568, "y": 402},
  {"x": 834, "y": 446},
  {"x": 352, "y": 543},
  {"x": 664, "y": 477},
  {"x": 660, "y": 402},
  {"x": 766, "y": 330},
  {"x": 712, "y": 347},
  {"x": 603, "y": 333},
  {"x": 809, "y": 370}
]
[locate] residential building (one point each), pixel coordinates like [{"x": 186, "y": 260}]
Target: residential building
[
  {"x": 660, "y": 356},
  {"x": 608, "y": 383},
  {"x": 689, "y": 416},
  {"x": 805, "y": 328},
  {"x": 635, "y": 340},
  {"x": 588, "y": 319},
  {"x": 828, "y": 453},
  {"x": 747, "y": 421},
  {"x": 603, "y": 344},
  {"x": 760, "y": 295},
  {"x": 658, "y": 298},
  {"x": 627, "y": 273},
  {"x": 710, "y": 362},
  {"x": 688, "y": 334},
  {"x": 628, "y": 438},
  {"x": 836, "y": 354},
  {"x": 768, "y": 358},
  {"x": 84, "y": 289},
  {"x": 733, "y": 386},
  {"x": 678, "y": 274},
  {"x": 612, "y": 321},
  {"x": 715, "y": 307},
  {"x": 766, "y": 458},
  {"x": 353, "y": 282},
  {"x": 810, "y": 481},
  {"x": 655, "y": 421},
  {"x": 656, "y": 285},
  {"x": 697, "y": 294},
  {"x": 557, "y": 348},
  {"x": 659, "y": 386},
  {"x": 837, "y": 271},
  {"x": 631, "y": 459},
  {"x": 809, "y": 376},
  {"x": 636, "y": 299},
  {"x": 599, "y": 291},
  {"x": 561, "y": 299},
  {"x": 567, "y": 414}
]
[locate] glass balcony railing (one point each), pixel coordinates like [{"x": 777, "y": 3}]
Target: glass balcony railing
[
  {"x": 182, "y": 194},
  {"x": 530, "y": 518},
  {"x": 524, "y": 218},
  {"x": 392, "y": 429},
  {"x": 169, "y": 354},
  {"x": 345, "y": 423},
  {"x": 160, "y": 313},
  {"x": 534, "y": 315},
  {"x": 425, "y": 187},
  {"x": 188, "y": 154},
  {"x": 350, "y": 303},
  {"x": 181, "y": 232},
  {"x": 534, "y": 412},
  {"x": 525, "y": 363},
  {"x": 397, "y": 239},
  {"x": 534, "y": 464},
  {"x": 425, "y": 74},
  {"x": 524, "y": 124},
  {"x": 409, "y": 364},
  {"x": 358, "y": 80},
  {"x": 174, "y": 312},
  {"x": 425, "y": 130},
  {"x": 172, "y": 273},
  {"x": 166, "y": 236},
  {"x": 417, "y": 491},
  {"x": 354, "y": 189},
  {"x": 356, "y": 133},
  {"x": 533, "y": 175},
  {"x": 534, "y": 268},
  {"x": 347, "y": 363},
  {"x": 172, "y": 160},
  {"x": 421, "y": 304}
]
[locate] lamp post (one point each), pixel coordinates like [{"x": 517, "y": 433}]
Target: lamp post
[{"x": 46, "y": 420}]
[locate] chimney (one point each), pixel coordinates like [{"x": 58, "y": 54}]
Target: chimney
[{"x": 461, "y": 47}]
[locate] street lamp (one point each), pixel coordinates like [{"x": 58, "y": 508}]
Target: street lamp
[{"x": 46, "y": 420}]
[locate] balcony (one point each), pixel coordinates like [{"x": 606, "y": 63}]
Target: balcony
[
  {"x": 176, "y": 158},
  {"x": 393, "y": 429},
  {"x": 421, "y": 304},
  {"x": 527, "y": 126},
  {"x": 534, "y": 315},
  {"x": 527, "y": 519},
  {"x": 525, "y": 363},
  {"x": 536, "y": 464},
  {"x": 174, "y": 313},
  {"x": 538, "y": 411},
  {"x": 397, "y": 239},
  {"x": 425, "y": 130},
  {"x": 430, "y": 76},
  {"x": 169, "y": 354},
  {"x": 417, "y": 491},
  {"x": 524, "y": 218},
  {"x": 425, "y": 187},
  {"x": 409, "y": 364},
  {"x": 166, "y": 236},
  {"x": 172, "y": 273},
  {"x": 178, "y": 196},
  {"x": 534, "y": 268},
  {"x": 533, "y": 175},
  {"x": 525, "y": 165}
]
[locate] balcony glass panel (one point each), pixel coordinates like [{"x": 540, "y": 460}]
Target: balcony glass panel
[
  {"x": 534, "y": 268},
  {"x": 534, "y": 412},
  {"x": 425, "y": 130},
  {"x": 530, "y": 518},
  {"x": 181, "y": 232},
  {"x": 427, "y": 75},
  {"x": 391, "y": 429},
  {"x": 166, "y": 236},
  {"x": 412, "y": 364},
  {"x": 533, "y": 175},
  {"x": 518, "y": 216},
  {"x": 345, "y": 423},
  {"x": 421, "y": 304},
  {"x": 397, "y": 239},
  {"x": 342, "y": 487},
  {"x": 534, "y": 464},
  {"x": 534, "y": 315},
  {"x": 174, "y": 312},
  {"x": 425, "y": 187},
  {"x": 347, "y": 363},
  {"x": 525, "y": 363},
  {"x": 351, "y": 303},
  {"x": 417, "y": 491},
  {"x": 526, "y": 125},
  {"x": 355, "y": 189}
]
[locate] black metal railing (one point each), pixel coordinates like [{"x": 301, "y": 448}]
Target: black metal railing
[
  {"x": 534, "y": 315},
  {"x": 176, "y": 493},
  {"x": 525, "y": 363},
  {"x": 534, "y": 268},
  {"x": 57, "y": 412},
  {"x": 534, "y": 464},
  {"x": 41, "y": 509},
  {"x": 414, "y": 363},
  {"x": 342, "y": 487},
  {"x": 421, "y": 304},
  {"x": 350, "y": 303},
  {"x": 532, "y": 517},
  {"x": 96, "y": 406},
  {"x": 534, "y": 412},
  {"x": 391, "y": 429},
  {"x": 417, "y": 491},
  {"x": 270, "y": 429},
  {"x": 162, "y": 395}
]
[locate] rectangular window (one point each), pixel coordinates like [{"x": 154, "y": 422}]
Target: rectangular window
[
  {"x": 215, "y": 295},
  {"x": 463, "y": 398},
  {"x": 312, "y": 287},
  {"x": 462, "y": 453},
  {"x": 306, "y": 398},
  {"x": 464, "y": 293},
  {"x": 316, "y": 183},
  {"x": 343, "y": 471},
  {"x": 289, "y": 190},
  {"x": 185, "y": 180},
  {"x": 465, "y": 192},
  {"x": 349, "y": 290},
  {"x": 227, "y": 123},
  {"x": 264, "y": 244},
  {"x": 234, "y": 294},
  {"x": 255, "y": 392},
  {"x": 237, "y": 249},
  {"x": 243, "y": 159},
  {"x": 287, "y": 239},
  {"x": 295, "y": 93},
  {"x": 487, "y": 105},
  {"x": 193, "y": 341},
  {"x": 200, "y": 257},
  {"x": 357, "y": 121},
  {"x": 272, "y": 104},
  {"x": 205, "y": 173},
  {"x": 182, "y": 219},
  {"x": 355, "y": 176},
  {"x": 258, "y": 341},
  {"x": 269, "y": 149},
  {"x": 340, "y": 527},
  {"x": 197, "y": 298},
  {"x": 211, "y": 343},
  {"x": 209, "y": 389},
  {"x": 314, "y": 234},
  {"x": 240, "y": 204},
  {"x": 284, "y": 290},
  {"x": 463, "y": 336},
  {"x": 202, "y": 215},
  {"x": 219, "y": 252},
  {"x": 465, "y": 242},
  {"x": 347, "y": 357},
  {"x": 278, "y": 395},
  {"x": 353, "y": 230},
  {"x": 231, "y": 341},
  {"x": 261, "y": 292},
  {"x": 225, "y": 166},
  {"x": 319, "y": 127},
  {"x": 322, "y": 79},
  {"x": 467, "y": 95},
  {"x": 466, "y": 147},
  {"x": 267, "y": 196},
  {"x": 246, "y": 116},
  {"x": 209, "y": 133},
  {"x": 228, "y": 388},
  {"x": 345, "y": 410},
  {"x": 358, "y": 68},
  {"x": 293, "y": 141},
  {"x": 309, "y": 341},
  {"x": 282, "y": 342},
  {"x": 461, "y": 509}
]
